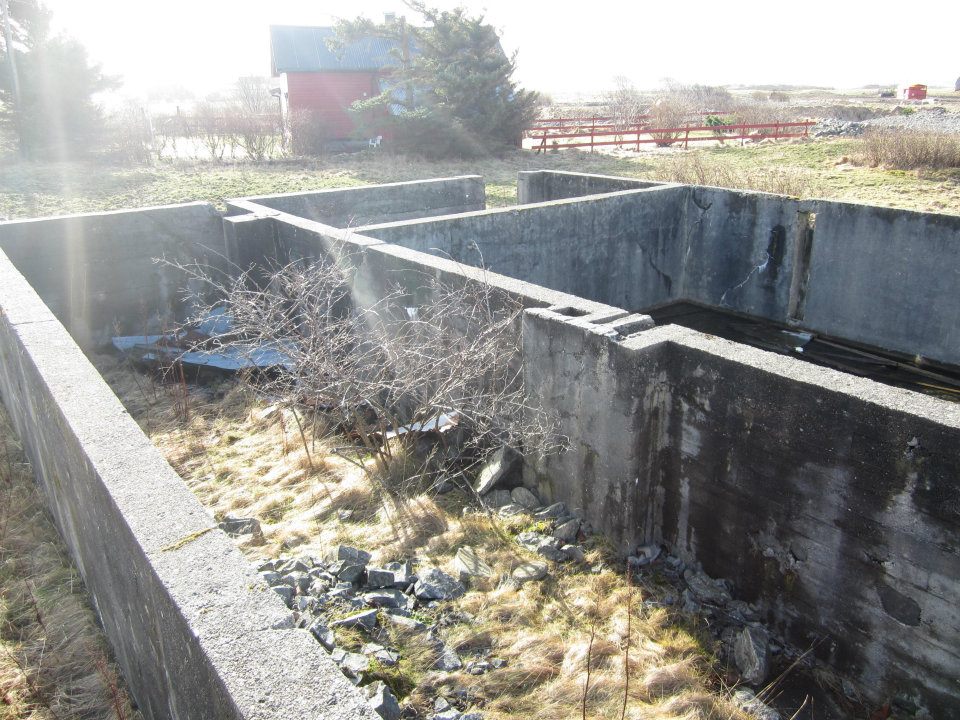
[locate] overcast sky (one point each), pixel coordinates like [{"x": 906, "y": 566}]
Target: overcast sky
[{"x": 206, "y": 44}]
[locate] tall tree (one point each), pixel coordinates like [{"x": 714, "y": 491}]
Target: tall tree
[
  {"x": 452, "y": 89},
  {"x": 464, "y": 70},
  {"x": 29, "y": 24},
  {"x": 56, "y": 114}
]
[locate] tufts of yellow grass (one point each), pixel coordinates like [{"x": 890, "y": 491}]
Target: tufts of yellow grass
[{"x": 243, "y": 458}]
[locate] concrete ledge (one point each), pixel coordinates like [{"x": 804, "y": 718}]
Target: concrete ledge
[
  {"x": 196, "y": 632},
  {"x": 535, "y": 186},
  {"x": 367, "y": 204},
  {"x": 291, "y": 237}
]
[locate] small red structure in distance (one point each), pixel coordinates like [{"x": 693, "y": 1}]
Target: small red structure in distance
[{"x": 913, "y": 92}]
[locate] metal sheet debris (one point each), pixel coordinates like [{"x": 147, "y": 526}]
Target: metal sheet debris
[
  {"x": 440, "y": 424},
  {"x": 199, "y": 346}
]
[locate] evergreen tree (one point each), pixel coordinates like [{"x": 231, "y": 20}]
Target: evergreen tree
[
  {"x": 29, "y": 24},
  {"x": 451, "y": 92},
  {"x": 466, "y": 73},
  {"x": 57, "y": 115}
]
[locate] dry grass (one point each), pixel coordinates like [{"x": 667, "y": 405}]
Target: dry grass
[
  {"x": 906, "y": 150},
  {"x": 696, "y": 169},
  {"x": 243, "y": 459},
  {"x": 54, "y": 662}
]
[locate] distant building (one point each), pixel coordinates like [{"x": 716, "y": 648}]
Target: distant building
[
  {"x": 913, "y": 92},
  {"x": 314, "y": 78},
  {"x": 956, "y": 85}
]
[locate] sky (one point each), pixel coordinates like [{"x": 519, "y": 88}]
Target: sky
[{"x": 562, "y": 49}]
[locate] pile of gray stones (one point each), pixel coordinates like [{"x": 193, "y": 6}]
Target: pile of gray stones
[
  {"x": 928, "y": 119},
  {"x": 346, "y": 591}
]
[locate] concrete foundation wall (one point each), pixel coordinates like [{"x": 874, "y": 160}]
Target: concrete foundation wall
[
  {"x": 96, "y": 272},
  {"x": 196, "y": 632},
  {"x": 365, "y": 205},
  {"x": 535, "y": 186},
  {"x": 885, "y": 277},
  {"x": 738, "y": 250},
  {"x": 631, "y": 249},
  {"x": 606, "y": 248},
  {"x": 840, "y": 513},
  {"x": 831, "y": 500},
  {"x": 875, "y": 276}
]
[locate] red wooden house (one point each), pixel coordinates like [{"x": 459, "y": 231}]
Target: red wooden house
[{"x": 314, "y": 78}]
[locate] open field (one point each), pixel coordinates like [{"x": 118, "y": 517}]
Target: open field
[{"x": 820, "y": 168}]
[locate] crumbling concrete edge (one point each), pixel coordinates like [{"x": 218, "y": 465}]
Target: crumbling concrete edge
[{"x": 195, "y": 631}]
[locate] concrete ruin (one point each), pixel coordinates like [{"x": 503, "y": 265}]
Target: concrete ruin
[{"x": 831, "y": 500}]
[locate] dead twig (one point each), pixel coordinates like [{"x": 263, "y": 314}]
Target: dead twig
[{"x": 586, "y": 684}]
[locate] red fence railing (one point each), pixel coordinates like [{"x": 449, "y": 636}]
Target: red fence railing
[{"x": 639, "y": 133}]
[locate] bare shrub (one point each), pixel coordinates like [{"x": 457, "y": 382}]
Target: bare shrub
[
  {"x": 677, "y": 105},
  {"x": 670, "y": 111},
  {"x": 254, "y": 118},
  {"x": 167, "y": 132},
  {"x": 908, "y": 150},
  {"x": 703, "y": 98},
  {"x": 130, "y": 134},
  {"x": 752, "y": 113},
  {"x": 308, "y": 132},
  {"x": 392, "y": 372},
  {"x": 694, "y": 169},
  {"x": 574, "y": 112},
  {"x": 625, "y": 104},
  {"x": 211, "y": 124}
]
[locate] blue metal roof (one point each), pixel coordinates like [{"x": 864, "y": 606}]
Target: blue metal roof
[{"x": 304, "y": 49}]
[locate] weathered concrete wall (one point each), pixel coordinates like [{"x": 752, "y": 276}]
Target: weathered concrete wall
[
  {"x": 612, "y": 403},
  {"x": 631, "y": 249},
  {"x": 535, "y": 186},
  {"x": 196, "y": 632},
  {"x": 738, "y": 250},
  {"x": 365, "y": 205},
  {"x": 831, "y": 500},
  {"x": 607, "y": 248},
  {"x": 859, "y": 278},
  {"x": 885, "y": 277},
  {"x": 96, "y": 272}
]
